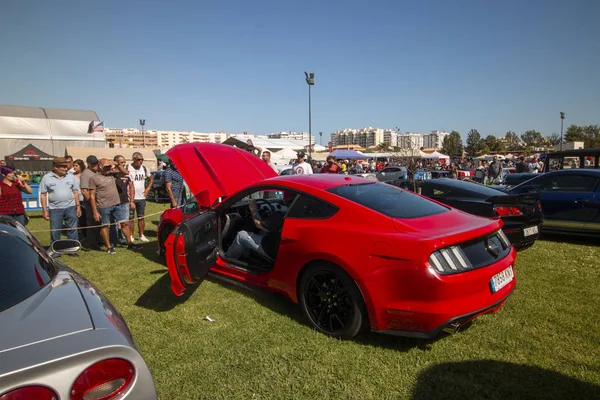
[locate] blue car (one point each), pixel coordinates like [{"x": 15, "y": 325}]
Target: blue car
[{"x": 570, "y": 200}]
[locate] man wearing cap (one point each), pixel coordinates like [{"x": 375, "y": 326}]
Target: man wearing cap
[
  {"x": 138, "y": 174},
  {"x": 301, "y": 167},
  {"x": 92, "y": 233},
  {"x": 106, "y": 203},
  {"x": 11, "y": 202},
  {"x": 59, "y": 195}
]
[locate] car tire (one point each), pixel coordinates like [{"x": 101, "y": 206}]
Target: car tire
[
  {"x": 332, "y": 302},
  {"x": 164, "y": 234}
]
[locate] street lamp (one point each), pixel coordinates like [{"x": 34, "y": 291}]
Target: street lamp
[
  {"x": 142, "y": 123},
  {"x": 310, "y": 80},
  {"x": 321, "y": 138},
  {"x": 562, "y": 119}
]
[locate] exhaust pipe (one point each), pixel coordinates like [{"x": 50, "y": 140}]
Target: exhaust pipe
[{"x": 452, "y": 327}]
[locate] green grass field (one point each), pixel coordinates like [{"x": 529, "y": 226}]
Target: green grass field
[{"x": 545, "y": 342}]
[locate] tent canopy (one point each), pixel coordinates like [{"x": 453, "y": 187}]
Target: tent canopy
[
  {"x": 30, "y": 159},
  {"x": 49, "y": 129},
  {"x": 349, "y": 154},
  {"x": 110, "y": 153},
  {"x": 436, "y": 155}
]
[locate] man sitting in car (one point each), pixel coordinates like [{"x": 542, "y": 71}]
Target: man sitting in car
[{"x": 267, "y": 240}]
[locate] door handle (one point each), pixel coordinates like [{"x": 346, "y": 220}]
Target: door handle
[{"x": 285, "y": 240}]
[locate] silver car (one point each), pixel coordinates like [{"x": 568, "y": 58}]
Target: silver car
[{"x": 60, "y": 338}]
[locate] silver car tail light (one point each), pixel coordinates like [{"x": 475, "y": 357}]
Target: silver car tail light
[{"x": 105, "y": 380}]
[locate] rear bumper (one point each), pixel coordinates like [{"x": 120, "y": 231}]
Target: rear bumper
[
  {"x": 415, "y": 301},
  {"x": 453, "y": 325},
  {"x": 515, "y": 234}
]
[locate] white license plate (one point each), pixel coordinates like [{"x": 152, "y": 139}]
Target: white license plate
[
  {"x": 502, "y": 279},
  {"x": 532, "y": 230}
]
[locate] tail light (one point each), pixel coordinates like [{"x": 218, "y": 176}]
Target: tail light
[
  {"x": 104, "y": 380},
  {"x": 507, "y": 211},
  {"x": 30, "y": 392},
  {"x": 450, "y": 260}
]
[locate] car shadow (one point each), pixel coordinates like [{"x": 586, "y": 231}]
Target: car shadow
[
  {"x": 159, "y": 296},
  {"x": 569, "y": 239},
  {"x": 286, "y": 307},
  {"x": 488, "y": 379}
]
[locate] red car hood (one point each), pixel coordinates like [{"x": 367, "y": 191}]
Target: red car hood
[
  {"x": 217, "y": 170},
  {"x": 448, "y": 225}
]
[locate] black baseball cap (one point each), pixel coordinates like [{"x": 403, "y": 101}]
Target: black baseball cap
[
  {"x": 301, "y": 153},
  {"x": 92, "y": 160}
]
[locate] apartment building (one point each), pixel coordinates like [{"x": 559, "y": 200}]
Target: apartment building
[
  {"x": 434, "y": 140},
  {"x": 365, "y": 137},
  {"x": 131, "y": 137},
  {"x": 413, "y": 141}
]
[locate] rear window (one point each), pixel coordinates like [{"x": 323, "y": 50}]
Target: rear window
[
  {"x": 23, "y": 271},
  {"x": 389, "y": 200}
]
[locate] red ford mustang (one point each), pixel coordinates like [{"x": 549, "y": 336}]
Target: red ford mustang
[{"x": 356, "y": 254}]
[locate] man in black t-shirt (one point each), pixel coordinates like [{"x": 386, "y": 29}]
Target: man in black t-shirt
[
  {"x": 126, "y": 193},
  {"x": 264, "y": 242}
]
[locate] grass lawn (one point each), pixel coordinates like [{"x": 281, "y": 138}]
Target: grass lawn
[{"x": 545, "y": 342}]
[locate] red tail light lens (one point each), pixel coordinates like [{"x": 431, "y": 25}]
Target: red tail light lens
[
  {"x": 30, "y": 392},
  {"x": 103, "y": 381},
  {"x": 506, "y": 211}
]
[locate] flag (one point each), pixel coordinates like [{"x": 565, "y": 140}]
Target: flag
[{"x": 99, "y": 127}]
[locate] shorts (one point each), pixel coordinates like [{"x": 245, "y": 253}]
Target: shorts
[
  {"x": 140, "y": 209},
  {"x": 118, "y": 212}
]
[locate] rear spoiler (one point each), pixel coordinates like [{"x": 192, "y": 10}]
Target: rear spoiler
[{"x": 526, "y": 198}]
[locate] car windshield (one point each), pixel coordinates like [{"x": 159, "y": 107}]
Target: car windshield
[
  {"x": 24, "y": 271},
  {"x": 389, "y": 200}
]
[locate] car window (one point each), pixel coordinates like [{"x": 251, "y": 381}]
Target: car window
[
  {"x": 24, "y": 271},
  {"x": 566, "y": 183},
  {"x": 262, "y": 194},
  {"x": 389, "y": 200},
  {"x": 310, "y": 208}
]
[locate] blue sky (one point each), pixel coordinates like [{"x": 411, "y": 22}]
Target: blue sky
[{"x": 208, "y": 65}]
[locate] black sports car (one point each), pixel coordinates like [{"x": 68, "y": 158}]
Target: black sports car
[{"x": 521, "y": 213}]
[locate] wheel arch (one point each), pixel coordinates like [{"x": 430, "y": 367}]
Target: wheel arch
[{"x": 361, "y": 289}]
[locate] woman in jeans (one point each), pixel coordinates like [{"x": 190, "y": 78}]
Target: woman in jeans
[{"x": 11, "y": 202}]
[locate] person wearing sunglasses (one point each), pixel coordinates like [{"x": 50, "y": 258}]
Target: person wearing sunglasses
[{"x": 142, "y": 182}]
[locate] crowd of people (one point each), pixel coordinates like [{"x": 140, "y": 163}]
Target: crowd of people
[{"x": 96, "y": 201}]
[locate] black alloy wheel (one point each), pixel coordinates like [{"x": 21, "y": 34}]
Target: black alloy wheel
[{"x": 332, "y": 302}]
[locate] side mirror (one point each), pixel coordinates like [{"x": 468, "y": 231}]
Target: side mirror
[{"x": 64, "y": 246}]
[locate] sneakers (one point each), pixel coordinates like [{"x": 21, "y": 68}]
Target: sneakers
[
  {"x": 132, "y": 239},
  {"x": 134, "y": 246},
  {"x": 144, "y": 239},
  {"x": 111, "y": 250}
]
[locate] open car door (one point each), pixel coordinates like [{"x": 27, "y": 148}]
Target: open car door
[{"x": 191, "y": 251}]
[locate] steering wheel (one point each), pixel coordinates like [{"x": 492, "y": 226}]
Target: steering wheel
[
  {"x": 229, "y": 221},
  {"x": 269, "y": 205}
]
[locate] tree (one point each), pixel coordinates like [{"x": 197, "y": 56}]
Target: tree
[
  {"x": 574, "y": 134},
  {"x": 453, "y": 145},
  {"x": 493, "y": 144},
  {"x": 474, "y": 143},
  {"x": 512, "y": 141},
  {"x": 553, "y": 139},
  {"x": 532, "y": 138},
  {"x": 383, "y": 147},
  {"x": 588, "y": 134}
]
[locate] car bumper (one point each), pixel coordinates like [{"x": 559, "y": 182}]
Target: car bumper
[
  {"x": 515, "y": 234},
  {"x": 419, "y": 303}
]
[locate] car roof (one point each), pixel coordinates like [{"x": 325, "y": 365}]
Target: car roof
[
  {"x": 319, "y": 181},
  {"x": 470, "y": 186},
  {"x": 576, "y": 171}
]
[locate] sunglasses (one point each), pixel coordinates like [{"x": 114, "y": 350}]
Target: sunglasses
[{"x": 139, "y": 159}]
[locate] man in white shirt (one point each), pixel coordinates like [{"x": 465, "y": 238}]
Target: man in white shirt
[
  {"x": 266, "y": 157},
  {"x": 138, "y": 174},
  {"x": 301, "y": 167}
]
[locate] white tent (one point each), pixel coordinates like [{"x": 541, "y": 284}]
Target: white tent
[
  {"x": 436, "y": 155},
  {"x": 49, "y": 129}
]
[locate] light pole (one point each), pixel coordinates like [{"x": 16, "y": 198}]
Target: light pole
[
  {"x": 321, "y": 138},
  {"x": 562, "y": 119},
  {"x": 142, "y": 123},
  {"x": 310, "y": 80}
]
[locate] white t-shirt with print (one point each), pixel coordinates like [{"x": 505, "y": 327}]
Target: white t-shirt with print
[
  {"x": 138, "y": 177},
  {"x": 302, "y": 168}
]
